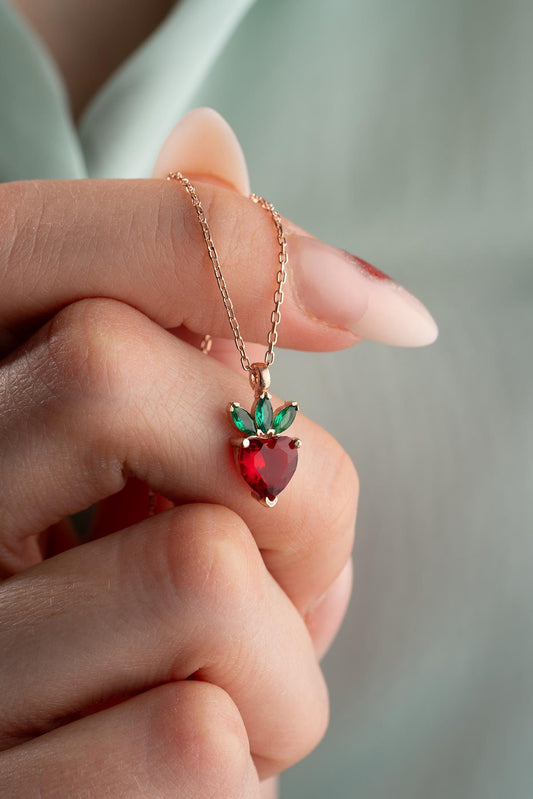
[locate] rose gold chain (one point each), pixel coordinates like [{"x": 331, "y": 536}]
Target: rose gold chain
[{"x": 281, "y": 277}]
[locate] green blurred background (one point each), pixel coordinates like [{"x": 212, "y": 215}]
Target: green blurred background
[{"x": 401, "y": 131}]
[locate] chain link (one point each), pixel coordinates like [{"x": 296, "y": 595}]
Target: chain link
[{"x": 281, "y": 277}]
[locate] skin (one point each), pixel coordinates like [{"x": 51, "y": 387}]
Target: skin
[
  {"x": 74, "y": 30},
  {"x": 189, "y": 639},
  {"x": 180, "y": 652}
]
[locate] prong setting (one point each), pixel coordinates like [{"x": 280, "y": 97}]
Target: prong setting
[
  {"x": 265, "y": 501},
  {"x": 268, "y": 465}
]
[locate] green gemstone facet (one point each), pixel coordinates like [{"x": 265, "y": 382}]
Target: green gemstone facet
[
  {"x": 263, "y": 414},
  {"x": 242, "y": 420},
  {"x": 285, "y": 417}
]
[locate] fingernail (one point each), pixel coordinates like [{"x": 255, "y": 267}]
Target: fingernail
[
  {"x": 345, "y": 291},
  {"x": 325, "y": 616},
  {"x": 203, "y": 143}
]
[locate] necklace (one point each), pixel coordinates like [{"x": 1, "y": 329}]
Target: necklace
[{"x": 264, "y": 458}]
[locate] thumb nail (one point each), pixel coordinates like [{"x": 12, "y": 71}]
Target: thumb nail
[{"x": 203, "y": 143}]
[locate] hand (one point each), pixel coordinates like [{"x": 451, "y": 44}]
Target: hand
[{"x": 96, "y": 390}]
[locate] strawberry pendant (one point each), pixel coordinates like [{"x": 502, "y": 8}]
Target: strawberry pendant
[{"x": 265, "y": 459}]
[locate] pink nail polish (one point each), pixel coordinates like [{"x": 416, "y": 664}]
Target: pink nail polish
[{"x": 343, "y": 290}]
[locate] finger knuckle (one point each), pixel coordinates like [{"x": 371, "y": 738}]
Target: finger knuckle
[
  {"x": 341, "y": 489},
  {"x": 294, "y": 743},
  {"x": 211, "y": 557},
  {"x": 88, "y": 343},
  {"x": 347, "y": 493},
  {"x": 318, "y": 726},
  {"x": 208, "y": 734}
]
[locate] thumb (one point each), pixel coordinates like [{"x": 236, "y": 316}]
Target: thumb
[
  {"x": 203, "y": 143},
  {"x": 343, "y": 291}
]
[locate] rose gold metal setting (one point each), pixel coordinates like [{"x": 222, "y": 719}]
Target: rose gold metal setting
[
  {"x": 281, "y": 277},
  {"x": 259, "y": 373},
  {"x": 268, "y": 503},
  {"x": 260, "y": 379},
  {"x": 206, "y": 344}
]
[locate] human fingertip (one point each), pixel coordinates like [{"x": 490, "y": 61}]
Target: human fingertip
[
  {"x": 204, "y": 144},
  {"x": 344, "y": 291}
]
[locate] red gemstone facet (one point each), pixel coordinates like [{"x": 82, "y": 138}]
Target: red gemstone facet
[{"x": 267, "y": 464}]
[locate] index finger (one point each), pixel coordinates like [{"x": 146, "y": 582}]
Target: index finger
[{"x": 139, "y": 241}]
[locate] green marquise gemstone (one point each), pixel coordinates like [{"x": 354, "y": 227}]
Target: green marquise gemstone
[
  {"x": 242, "y": 420},
  {"x": 263, "y": 414},
  {"x": 285, "y": 417}
]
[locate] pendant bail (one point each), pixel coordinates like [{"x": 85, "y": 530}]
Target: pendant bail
[{"x": 260, "y": 378}]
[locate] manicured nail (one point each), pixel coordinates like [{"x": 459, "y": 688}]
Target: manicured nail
[
  {"x": 203, "y": 143},
  {"x": 343, "y": 290}
]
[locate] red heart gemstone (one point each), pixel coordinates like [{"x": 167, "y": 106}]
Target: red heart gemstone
[{"x": 267, "y": 464}]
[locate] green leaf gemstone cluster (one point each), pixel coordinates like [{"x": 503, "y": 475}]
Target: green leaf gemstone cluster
[{"x": 263, "y": 420}]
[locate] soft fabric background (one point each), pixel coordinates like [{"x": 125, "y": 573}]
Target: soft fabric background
[{"x": 401, "y": 131}]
